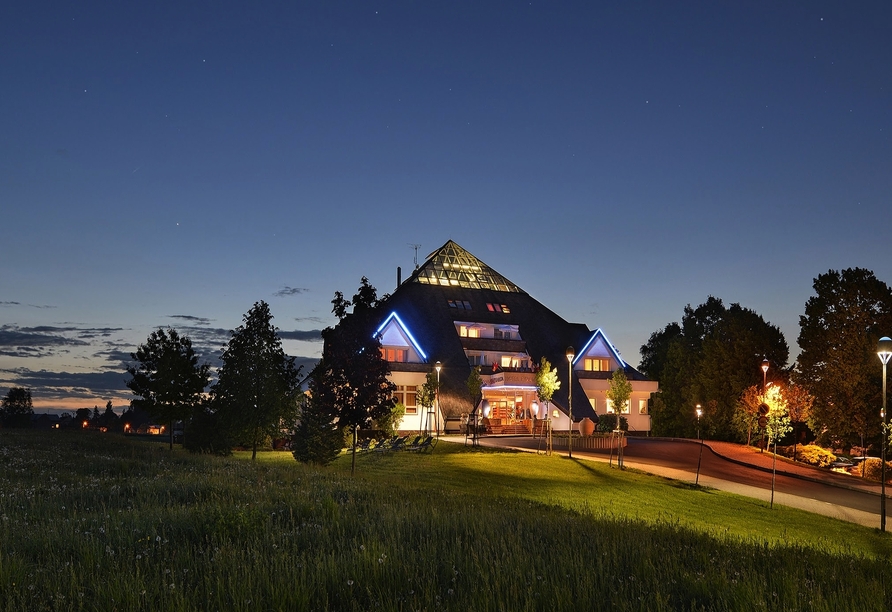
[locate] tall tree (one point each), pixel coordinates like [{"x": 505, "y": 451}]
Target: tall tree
[
  {"x": 655, "y": 354},
  {"x": 709, "y": 359},
  {"x": 16, "y": 408},
  {"x": 109, "y": 418},
  {"x": 258, "y": 384},
  {"x": 352, "y": 376},
  {"x": 166, "y": 377},
  {"x": 837, "y": 362},
  {"x": 799, "y": 403}
]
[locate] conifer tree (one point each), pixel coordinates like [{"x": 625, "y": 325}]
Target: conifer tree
[{"x": 258, "y": 385}]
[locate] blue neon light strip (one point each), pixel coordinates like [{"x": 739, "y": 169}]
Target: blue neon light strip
[
  {"x": 405, "y": 329},
  {"x": 591, "y": 340}
]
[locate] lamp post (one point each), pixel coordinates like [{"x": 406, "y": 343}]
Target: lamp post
[
  {"x": 571, "y": 353},
  {"x": 700, "y": 456},
  {"x": 438, "y": 366},
  {"x": 765, "y": 365},
  {"x": 884, "y": 351}
]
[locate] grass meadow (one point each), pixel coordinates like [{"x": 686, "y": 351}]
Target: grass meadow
[{"x": 92, "y": 521}]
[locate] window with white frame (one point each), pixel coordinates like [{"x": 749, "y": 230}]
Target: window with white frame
[
  {"x": 610, "y": 409},
  {"x": 596, "y": 364},
  {"x": 406, "y": 395},
  {"x": 642, "y": 406}
]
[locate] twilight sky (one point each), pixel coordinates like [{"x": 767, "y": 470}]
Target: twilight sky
[{"x": 171, "y": 163}]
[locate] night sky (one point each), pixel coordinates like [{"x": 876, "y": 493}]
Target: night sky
[{"x": 171, "y": 163}]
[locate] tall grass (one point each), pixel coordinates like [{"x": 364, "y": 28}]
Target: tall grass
[{"x": 96, "y": 522}]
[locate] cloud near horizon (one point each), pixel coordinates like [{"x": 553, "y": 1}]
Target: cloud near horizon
[
  {"x": 192, "y": 319},
  {"x": 287, "y": 291}
]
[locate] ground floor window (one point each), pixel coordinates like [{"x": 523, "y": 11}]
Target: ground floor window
[
  {"x": 642, "y": 406},
  {"x": 610, "y": 409},
  {"x": 406, "y": 394}
]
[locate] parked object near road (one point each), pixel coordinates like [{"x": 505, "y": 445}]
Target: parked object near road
[{"x": 842, "y": 463}]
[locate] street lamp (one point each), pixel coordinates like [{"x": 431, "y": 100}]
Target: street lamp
[
  {"x": 438, "y": 366},
  {"x": 765, "y": 365},
  {"x": 884, "y": 351},
  {"x": 700, "y": 456},
  {"x": 571, "y": 354}
]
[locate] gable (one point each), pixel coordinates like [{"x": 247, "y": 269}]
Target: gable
[
  {"x": 393, "y": 333},
  {"x": 598, "y": 347}
]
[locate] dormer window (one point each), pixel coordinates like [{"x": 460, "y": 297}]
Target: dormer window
[
  {"x": 394, "y": 355},
  {"x": 493, "y": 307},
  {"x": 459, "y": 304},
  {"x": 596, "y": 364}
]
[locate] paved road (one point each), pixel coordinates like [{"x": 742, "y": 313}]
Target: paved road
[
  {"x": 683, "y": 456},
  {"x": 740, "y": 470}
]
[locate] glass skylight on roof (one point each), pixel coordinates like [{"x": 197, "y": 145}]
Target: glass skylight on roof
[{"x": 452, "y": 266}]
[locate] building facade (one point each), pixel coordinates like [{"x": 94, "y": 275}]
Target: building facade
[{"x": 456, "y": 312}]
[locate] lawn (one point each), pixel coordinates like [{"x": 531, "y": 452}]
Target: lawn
[{"x": 93, "y": 521}]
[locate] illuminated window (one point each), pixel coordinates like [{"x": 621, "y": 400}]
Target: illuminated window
[
  {"x": 468, "y": 331},
  {"x": 506, "y": 361},
  {"x": 610, "y": 407},
  {"x": 596, "y": 365},
  {"x": 642, "y": 406},
  {"x": 406, "y": 395},
  {"x": 497, "y": 307},
  {"x": 394, "y": 355}
]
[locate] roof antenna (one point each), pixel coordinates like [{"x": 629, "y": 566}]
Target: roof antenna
[{"x": 415, "y": 246}]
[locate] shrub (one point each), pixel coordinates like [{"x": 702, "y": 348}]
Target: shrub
[
  {"x": 813, "y": 454},
  {"x": 390, "y": 422},
  {"x": 607, "y": 422},
  {"x": 872, "y": 469}
]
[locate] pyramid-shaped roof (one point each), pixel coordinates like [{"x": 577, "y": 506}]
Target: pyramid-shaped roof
[{"x": 453, "y": 266}]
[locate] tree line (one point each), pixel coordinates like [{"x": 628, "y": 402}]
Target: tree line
[
  {"x": 258, "y": 393},
  {"x": 714, "y": 357}
]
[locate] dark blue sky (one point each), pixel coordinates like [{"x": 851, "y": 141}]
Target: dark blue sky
[{"x": 171, "y": 163}]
